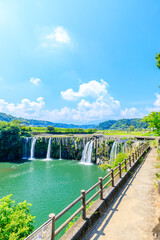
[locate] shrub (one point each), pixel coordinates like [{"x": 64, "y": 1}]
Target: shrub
[{"x": 16, "y": 221}]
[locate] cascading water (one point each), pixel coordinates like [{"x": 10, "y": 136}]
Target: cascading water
[
  {"x": 113, "y": 152},
  {"x": 83, "y": 159},
  {"x": 118, "y": 146},
  {"x": 87, "y": 153},
  {"x": 25, "y": 148},
  {"x": 60, "y": 151},
  {"x": 32, "y": 148},
  {"x": 89, "y": 158},
  {"x": 48, "y": 157}
]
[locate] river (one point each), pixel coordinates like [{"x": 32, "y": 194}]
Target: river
[{"x": 48, "y": 185}]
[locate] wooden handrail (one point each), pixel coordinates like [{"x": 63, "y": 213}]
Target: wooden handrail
[
  {"x": 68, "y": 208},
  {"x": 67, "y": 221},
  {"x": 90, "y": 189},
  {"x": 107, "y": 176},
  {"x": 112, "y": 174}
]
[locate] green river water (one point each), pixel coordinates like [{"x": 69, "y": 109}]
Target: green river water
[{"x": 49, "y": 185}]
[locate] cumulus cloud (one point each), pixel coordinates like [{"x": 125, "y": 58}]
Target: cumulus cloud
[
  {"x": 59, "y": 36},
  {"x": 156, "y": 104},
  {"x": 95, "y": 104},
  {"x": 26, "y": 108},
  {"x": 35, "y": 81},
  {"x": 129, "y": 112},
  {"x": 92, "y": 88}
]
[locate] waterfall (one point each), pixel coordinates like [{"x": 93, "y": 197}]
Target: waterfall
[
  {"x": 114, "y": 151},
  {"x": 118, "y": 146},
  {"x": 60, "y": 151},
  {"x": 48, "y": 157},
  {"x": 33, "y": 148},
  {"x": 89, "y": 158},
  {"x": 25, "y": 148},
  {"x": 87, "y": 153},
  {"x": 83, "y": 159}
]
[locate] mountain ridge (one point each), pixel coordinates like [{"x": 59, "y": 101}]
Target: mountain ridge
[{"x": 108, "y": 124}]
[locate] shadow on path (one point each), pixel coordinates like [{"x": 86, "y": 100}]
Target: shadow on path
[{"x": 112, "y": 209}]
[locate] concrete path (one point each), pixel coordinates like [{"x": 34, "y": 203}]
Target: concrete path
[{"x": 133, "y": 215}]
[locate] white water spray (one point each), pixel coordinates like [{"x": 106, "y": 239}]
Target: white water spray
[
  {"x": 33, "y": 148},
  {"x": 48, "y": 156},
  {"x": 87, "y": 153}
]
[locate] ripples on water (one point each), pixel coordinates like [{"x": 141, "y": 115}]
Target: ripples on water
[{"x": 49, "y": 185}]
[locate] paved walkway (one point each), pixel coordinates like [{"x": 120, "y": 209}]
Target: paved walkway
[{"x": 133, "y": 215}]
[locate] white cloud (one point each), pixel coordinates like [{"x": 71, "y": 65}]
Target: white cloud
[
  {"x": 93, "y": 89},
  {"x": 100, "y": 106},
  {"x": 24, "y": 109},
  {"x": 157, "y": 102},
  {"x": 59, "y": 36},
  {"x": 129, "y": 113},
  {"x": 35, "y": 81}
]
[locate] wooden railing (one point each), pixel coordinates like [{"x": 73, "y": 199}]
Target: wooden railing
[{"x": 114, "y": 174}]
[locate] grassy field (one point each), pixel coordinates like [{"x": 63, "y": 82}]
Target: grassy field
[
  {"x": 133, "y": 133},
  {"x": 63, "y": 130},
  {"x": 87, "y": 131}
]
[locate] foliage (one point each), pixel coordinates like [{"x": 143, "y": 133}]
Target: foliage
[
  {"x": 16, "y": 221},
  {"x": 10, "y": 141},
  {"x": 154, "y": 121},
  {"x": 104, "y": 166},
  {"x": 102, "y": 152},
  {"x": 158, "y": 60},
  {"x": 50, "y": 129},
  {"x": 120, "y": 158},
  {"x": 122, "y": 124}
]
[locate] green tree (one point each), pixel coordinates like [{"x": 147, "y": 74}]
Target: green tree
[
  {"x": 154, "y": 121},
  {"x": 50, "y": 129},
  {"x": 158, "y": 60},
  {"x": 132, "y": 128},
  {"x": 16, "y": 221}
]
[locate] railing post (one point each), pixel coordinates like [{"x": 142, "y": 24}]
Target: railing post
[
  {"x": 130, "y": 160},
  {"x": 133, "y": 157},
  {"x": 52, "y": 217},
  {"x": 125, "y": 164},
  {"x": 112, "y": 178},
  {"x": 136, "y": 155},
  {"x": 120, "y": 172},
  {"x": 101, "y": 188},
  {"x": 83, "y": 204}
]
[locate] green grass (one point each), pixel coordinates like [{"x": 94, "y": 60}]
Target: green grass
[
  {"x": 118, "y": 132},
  {"x": 62, "y": 130}
]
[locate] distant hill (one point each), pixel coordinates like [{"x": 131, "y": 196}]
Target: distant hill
[
  {"x": 123, "y": 124},
  {"x": 109, "y": 124},
  {"x": 41, "y": 123}
]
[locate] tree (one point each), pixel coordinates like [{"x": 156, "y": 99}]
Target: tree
[
  {"x": 154, "y": 121},
  {"x": 158, "y": 60},
  {"x": 16, "y": 221},
  {"x": 50, "y": 129},
  {"x": 132, "y": 128}
]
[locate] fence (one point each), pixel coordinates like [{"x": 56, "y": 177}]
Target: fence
[{"x": 47, "y": 231}]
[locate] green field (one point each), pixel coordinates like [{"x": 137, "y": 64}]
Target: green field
[{"x": 125, "y": 133}]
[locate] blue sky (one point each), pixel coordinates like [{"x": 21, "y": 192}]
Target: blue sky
[{"x": 79, "y": 61}]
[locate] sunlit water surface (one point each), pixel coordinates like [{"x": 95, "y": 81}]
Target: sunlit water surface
[{"x": 49, "y": 185}]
